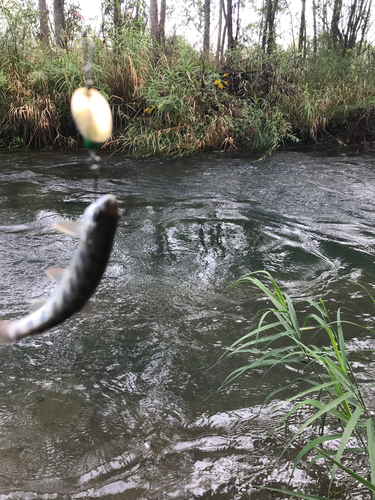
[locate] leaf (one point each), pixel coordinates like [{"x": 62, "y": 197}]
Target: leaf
[
  {"x": 341, "y": 342},
  {"x": 311, "y": 445},
  {"x": 293, "y": 316},
  {"x": 323, "y": 409},
  {"x": 350, "y": 426},
  {"x": 360, "y": 479},
  {"x": 293, "y": 493},
  {"x": 371, "y": 450}
]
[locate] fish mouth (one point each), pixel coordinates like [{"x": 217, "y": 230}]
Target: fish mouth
[
  {"x": 107, "y": 206},
  {"x": 110, "y": 206},
  {"x": 104, "y": 207}
]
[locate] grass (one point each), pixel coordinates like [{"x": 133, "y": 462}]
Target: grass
[
  {"x": 180, "y": 105},
  {"x": 328, "y": 385}
]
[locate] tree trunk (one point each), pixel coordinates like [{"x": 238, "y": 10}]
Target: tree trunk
[
  {"x": 336, "y": 34},
  {"x": 43, "y": 22},
  {"x": 116, "y": 15},
  {"x": 218, "y": 50},
  {"x": 157, "y": 26},
  {"x": 230, "y": 24},
  {"x": 136, "y": 8},
  {"x": 206, "y": 33},
  {"x": 269, "y": 34},
  {"x": 223, "y": 42},
  {"x": 315, "y": 36},
  {"x": 365, "y": 25},
  {"x": 163, "y": 9},
  {"x": 59, "y": 18},
  {"x": 266, "y": 22},
  {"x": 238, "y": 23},
  {"x": 116, "y": 24},
  {"x": 358, "y": 21},
  {"x": 220, "y": 27},
  {"x": 154, "y": 26},
  {"x": 302, "y": 31}
]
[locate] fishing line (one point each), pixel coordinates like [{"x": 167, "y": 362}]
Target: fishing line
[
  {"x": 91, "y": 111},
  {"x": 89, "y": 51}
]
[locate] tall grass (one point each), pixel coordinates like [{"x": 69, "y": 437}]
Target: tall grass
[
  {"x": 329, "y": 388},
  {"x": 179, "y": 105}
]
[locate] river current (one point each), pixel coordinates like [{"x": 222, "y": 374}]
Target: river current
[{"x": 126, "y": 406}]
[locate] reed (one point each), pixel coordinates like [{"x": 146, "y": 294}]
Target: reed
[{"x": 330, "y": 390}]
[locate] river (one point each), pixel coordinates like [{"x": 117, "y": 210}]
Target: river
[{"x": 125, "y": 407}]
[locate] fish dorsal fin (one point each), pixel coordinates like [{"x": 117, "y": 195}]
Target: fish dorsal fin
[
  {"x": 69, "y": 227},
  {"x": 56, "y": 273},
  {"x": 37, "y": 304}
]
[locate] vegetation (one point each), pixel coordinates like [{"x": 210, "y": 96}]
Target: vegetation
[
  {"x": 329, "y": 390},
  {"x": 168, "y": 98}
]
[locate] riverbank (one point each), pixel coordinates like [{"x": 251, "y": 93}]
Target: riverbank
[{"x": 180, "y": 106}]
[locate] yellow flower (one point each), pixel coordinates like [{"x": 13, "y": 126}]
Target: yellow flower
[
  {"x": 348, "y": 50},
  {"x": 226, "y": 83},
  {"x": 225, "y": 74},
  {"x": 148, "y": 110},
  {"x": 217, "y": 82}
]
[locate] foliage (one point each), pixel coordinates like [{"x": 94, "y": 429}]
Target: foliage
[
  {"x": 179, "y": 105},
  {"x": 329, "y": 388}
]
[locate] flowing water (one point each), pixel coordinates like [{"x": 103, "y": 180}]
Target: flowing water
[{"x": 125, "y": 407}]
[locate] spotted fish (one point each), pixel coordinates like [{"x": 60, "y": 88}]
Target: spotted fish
[{"x": 80, "y": 280}]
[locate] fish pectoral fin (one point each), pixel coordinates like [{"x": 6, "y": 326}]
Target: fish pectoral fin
[
  {"x": 69, "y": 227},
  {"x": 87, "y": 313},
  {"x": 37, "y": 304},
  {"x": 56, "y": 273}
]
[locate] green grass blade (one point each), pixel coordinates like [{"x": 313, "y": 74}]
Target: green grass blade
[
  {"x": 324, "y": 408},
  {"x": 315, "y": 387},
  {"x": 311, "y": 445},
  {"x": 293, "y": 316},
  {"x": 294, "y": 494},
  {"x": 277, "y": 300},
  {"x": 371, "y": 450},
  {"x": 357, "y": 477},
  {"x": 350, "y": 426},
  {"x": 341, "y": 341}
]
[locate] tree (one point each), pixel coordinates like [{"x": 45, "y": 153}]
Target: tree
[
  {"x": 336, "y": 35},
  {"x": 302, "y": 31},
  {"x": 59, "y": 21},
  {"x": 219, "y": 50},
  {"x": 206, "y": 32},
  {"x": 157, "y": 25},
  {"x": 116, "y": 15},
  {"x": 350, "y": 23},
  {"x": 315, "y": 35},
  {"x": 229, "y": 23},
  {"x": 269, "y": 29},
  {"x": 358, "y": 21},
  {"x": 43, "y": 22}
]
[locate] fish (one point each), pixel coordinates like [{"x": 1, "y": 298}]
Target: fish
[{"x": 80, "y": 280}]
